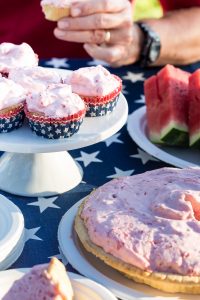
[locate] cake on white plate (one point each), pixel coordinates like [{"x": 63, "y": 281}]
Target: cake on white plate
[{"x": 147, "y": 226}]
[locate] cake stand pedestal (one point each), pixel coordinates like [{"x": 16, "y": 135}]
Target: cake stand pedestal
[{"x": 34, "y": 166}]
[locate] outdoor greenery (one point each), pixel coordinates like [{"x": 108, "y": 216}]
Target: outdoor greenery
[{"x": 147, "y": 8}]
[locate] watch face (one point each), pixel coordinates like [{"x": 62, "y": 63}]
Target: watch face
[{"x": 154, "y": 51}]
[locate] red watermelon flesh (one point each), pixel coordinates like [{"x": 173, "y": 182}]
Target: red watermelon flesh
[
  {"x": 152, "y": 102},
  {"x": 172, "y": 92},
  {"x": 194, "y": 109}
]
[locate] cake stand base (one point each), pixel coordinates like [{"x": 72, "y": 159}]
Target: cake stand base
[{"x": 38, "y": 174}]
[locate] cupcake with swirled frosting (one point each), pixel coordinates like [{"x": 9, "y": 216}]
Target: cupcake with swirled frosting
[
  {"x": 35, "y": 78},
  {"x": 13, "y": 56},
  {"x": 11, "y": 105},
  {"x": 97, "y": 87},
  {"x": 55, "y": 112}
]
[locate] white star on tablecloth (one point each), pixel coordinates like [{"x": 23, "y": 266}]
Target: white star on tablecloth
[
  {"x": 57, "y": 63},
  {"x": 96, "y": 62},
  {"x": 113, "y": 139},
  {"x": 121, "y": 173},
  {"x": 145, "y": 157},
  {"x": 141, "y": 100},
  {"x": 44, "y": 203},
  {"x": 60, "y": 256},
  {"x": 124, "y": 91},
  {"x": 30, "y": 234},
  {"x": 88, "y": 158},
  {"x": 134, "y": 77}
]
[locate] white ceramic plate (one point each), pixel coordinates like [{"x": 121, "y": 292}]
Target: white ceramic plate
[
  {"x": 182, "y": 158},
  {"x": 84, "y": 289},
  {"x": 93, "y": 268},
  {"x": 91, "y": 131},
  {"x": 11, "y": 232}
]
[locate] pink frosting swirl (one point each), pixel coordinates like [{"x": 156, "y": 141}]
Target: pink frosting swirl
[
  {"x": 56, "y": 3},
  {"x": 92, "y": 81},
  {"x": 12, "y": 56},
  {"x": 34, "y": 78},
  {"x": 56, "y": 101},
  {"x": 151, "y": 220},
  {"x": 11, "y": 93}
]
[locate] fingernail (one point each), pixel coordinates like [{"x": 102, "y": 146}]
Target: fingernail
[
  {"x": 75, "y": 12},
  {"x": 59, "y": 32},
  {"x": 63, "y": 24}
]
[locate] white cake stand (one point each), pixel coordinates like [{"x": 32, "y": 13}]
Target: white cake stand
[{"x": 34, "y": 166}]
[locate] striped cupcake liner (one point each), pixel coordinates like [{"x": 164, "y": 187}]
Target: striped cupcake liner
[
  {"x": 52, "y": 128},
  {"x": 12, "y": 119},
  {"x": 102, "y": 109}
]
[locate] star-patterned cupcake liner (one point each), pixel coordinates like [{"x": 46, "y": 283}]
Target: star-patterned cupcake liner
[
  {"x": 11, "y": 118},
  {"x": 102, "y": 109},
  {"x": 100, "y": 106},
  {"x": 55, "y": 128}
]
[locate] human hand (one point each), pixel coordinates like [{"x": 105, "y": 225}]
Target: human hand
[{"x": 104, "y": 26}]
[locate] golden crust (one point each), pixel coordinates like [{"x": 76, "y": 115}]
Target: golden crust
[
  {"x": 53, "y": 13},
  {"x": 170, "y": 283}
]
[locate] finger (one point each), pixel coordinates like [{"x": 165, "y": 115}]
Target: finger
[
  {"x": 117, "y": 36},
  {"x": 97, "y": 21},
  {"x": 110, "y": 54},
  {"x": 85, "y": 8}
]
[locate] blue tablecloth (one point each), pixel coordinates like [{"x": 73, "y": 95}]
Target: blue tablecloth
[{"x": 116, "y": 156}]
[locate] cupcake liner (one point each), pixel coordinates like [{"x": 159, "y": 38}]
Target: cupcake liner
[
  {"x": 12, "y": 119},
  {"x": 55, "y": 128},
  {"x": 102, "y": 109}
]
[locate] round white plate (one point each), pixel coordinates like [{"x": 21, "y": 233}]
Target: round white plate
[
  {"x": 91, "y": 131},
  {"x": 179, "y": 157},
  {"x": 11, "y": 232},
  {"x": 93, "y": 268},
  {"x": 84, "y": 289}
]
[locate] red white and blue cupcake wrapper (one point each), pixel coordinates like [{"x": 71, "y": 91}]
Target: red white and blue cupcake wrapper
[
  {"x": 55, "y": 128},
  {"x": 101, "y": 109},
  {"x": 99, "y": 106},
  {"x": 12, "y": 119}
]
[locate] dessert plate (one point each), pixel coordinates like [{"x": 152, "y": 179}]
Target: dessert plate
[
  {"x": 84, "y": 289},
  {"x": 95, "y": 269},
  {"x": 179, "y": 157},
  {"x": 11, "y": 232}
]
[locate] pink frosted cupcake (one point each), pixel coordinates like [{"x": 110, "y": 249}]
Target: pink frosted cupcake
[
  {"x": 55, "y": 112},
  {"x": 55, "y": 9},
  {"x": 97, "y": 87},
  {"x": 12, "y": 56},
  {"x": 11, "y": 105},
  {"x": 47, "y": 281},
  {"x": 34, "y": 78}
]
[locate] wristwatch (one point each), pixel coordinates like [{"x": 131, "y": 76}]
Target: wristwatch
[{"x": 151, "y": 45}]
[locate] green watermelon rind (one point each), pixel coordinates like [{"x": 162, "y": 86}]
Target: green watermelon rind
[
  {"x": 195, "y": 140},
  {"x": 175, "y": 134},
  {"x": 155, "y": 138}
]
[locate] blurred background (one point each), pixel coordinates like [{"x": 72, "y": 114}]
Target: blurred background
[{"x": 146, "y": 9}]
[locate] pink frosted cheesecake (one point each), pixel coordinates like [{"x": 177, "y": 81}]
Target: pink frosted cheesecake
[
  {"x": 147, "y": 226},
  {"x": 55, "y": 112},
  {"x": 48, "y": 281},
  {"x": 12, "y": 56},
  {"x": 11, "y": 105},
  {"x": 97, "y": 87},
  {"x": 55, "y": 9},
  {"x": 34, "y": 78}
]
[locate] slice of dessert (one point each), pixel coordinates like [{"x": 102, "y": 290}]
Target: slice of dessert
[{"x": 47, "y": 281}]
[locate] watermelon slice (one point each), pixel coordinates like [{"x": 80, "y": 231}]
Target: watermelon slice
[
  {"x": 194, "y": 109},
  {"x": 170, "y": 113}
]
